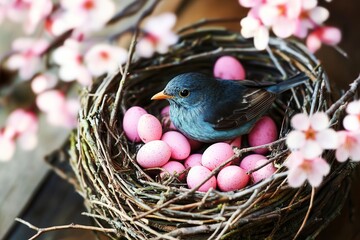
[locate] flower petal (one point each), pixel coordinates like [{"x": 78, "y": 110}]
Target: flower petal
[
  {"x": 319, "y": 15},
  {"x": 296, "y": 177},
  {"x": 328, "y": 139},
  {"x": 351, "y": 123},
  {"x": 300, "y": 121},
  {"x": 353, "y": 107},
  {"x": 261, "y": 38},
  {"x": 341, "y": 154},
  {"x": 313, "y": 42},
  {"x": 295, "y": 139},
  {"x": 284, "y": 27},
  {"x": 319, "y": 121},
  {"x": 311, "y": 149}
]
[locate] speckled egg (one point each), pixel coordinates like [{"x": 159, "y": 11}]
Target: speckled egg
[
  {"x": 197, "y": 175},
  {"x": 263, "y": 172},
  {"x": 149, "y": 128},
  {"x": 235, "y": 142},
  {"x": 193, "y": 160},
  {"x": 228, "y": 67},
  {"x": 130, "y": 122},
  {"x": 232, "y": 178},
  {"x": 248, "y": 162},
  {"x": 180, "y": 146},
  {"x": 264, "y": 131},
  {"x": 165, "y": 118},
  {"x": 216, "y": 154},
  {"x": 153, "y": 154},
  {"x": 172, "y": 168}
]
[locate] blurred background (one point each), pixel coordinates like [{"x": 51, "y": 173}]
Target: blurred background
[{"x": 31, "y": 191}]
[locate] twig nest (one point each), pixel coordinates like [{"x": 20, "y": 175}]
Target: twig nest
[{"x": 118, "y": 167}]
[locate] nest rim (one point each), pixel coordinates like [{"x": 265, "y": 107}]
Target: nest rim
[{"x": 137, "y": 204}]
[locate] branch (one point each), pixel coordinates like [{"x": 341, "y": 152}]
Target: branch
[
  {"x": 349, "y": 94},
  {"x": 307, "y": 213},
  {"x": 40, "y": 231}
]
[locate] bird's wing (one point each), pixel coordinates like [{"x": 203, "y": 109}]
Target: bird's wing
[{"x": 232, "y": 114}]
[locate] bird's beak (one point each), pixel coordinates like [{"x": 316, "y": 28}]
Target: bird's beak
[{"x": 161, "y": 95}]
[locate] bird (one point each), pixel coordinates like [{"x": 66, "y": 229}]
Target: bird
[{"x": 208, "y": 109}]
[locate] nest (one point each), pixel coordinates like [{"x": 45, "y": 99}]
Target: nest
[{"x": 120, "y": 195}]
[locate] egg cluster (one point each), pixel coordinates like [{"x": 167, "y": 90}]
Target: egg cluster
[{"x": 193, "y": 161}]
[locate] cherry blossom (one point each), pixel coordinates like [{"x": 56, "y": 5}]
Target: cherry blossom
[
  {"x": 251, "y": 26},
  {"x": 71, "y": 63},
  {"x": 302, "y": 169},
  {"x": 349, "y": 146},
  {"x": 38, "y": 11},
  {"x": 311, "y": 16},
  {"x": 83, "y": 15},
  {"x": 327, "y": 35},
  {"x": 104, "y": 58},
  {"x": 281, "y": 15},
  {"x": 311, "y": 135},
  {"x": 27, "y": 11},
  {"x": 250, "y": 3},
  {"x": 59, "y": 110},
  {"x": 27, "y": 55},
  {"x": 351, "y": 121},
  {"x": 43, "y": 82},
  {"x": 158, "y": 35}
]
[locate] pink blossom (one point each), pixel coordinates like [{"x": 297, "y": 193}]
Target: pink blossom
[
  {"x": 351, "y": 121},
  {"x": 349, "y": 146},
  {"x": 43, "y": 82},
  {"x": 104, "y": 58},
  {"x": 22, "y": 121},
  {"x": 302, "y": 169},
  {"x": 250, "y": 3},
  {"x": 281, "y": 16},
  {"x": 59, "y": 110},
  {"x": 251, "y": 26},
  {"x": 28, "y": 11},
  {"x": 311, "y": 16},
  {"x": 27, "y": 54},
  {"x": 327, "y": 35},
  {"x": 7, "y": 147},
  {"x": 22, "y": 125},
  {"x": 311, "y": 135},
  {"x": 158, "y": 35},
  {"x": 71, "y": 63},
  {"x": 38, "y": 11},
  {"x": 83, "y": 15}
]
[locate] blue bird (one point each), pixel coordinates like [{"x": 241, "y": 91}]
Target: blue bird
[{"x": 209, "y": 109}]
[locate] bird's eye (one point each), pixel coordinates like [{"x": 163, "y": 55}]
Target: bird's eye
[{"x": 184, "y": 93}]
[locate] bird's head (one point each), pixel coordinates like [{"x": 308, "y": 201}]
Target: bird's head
[{"x": 187, "y": 90}]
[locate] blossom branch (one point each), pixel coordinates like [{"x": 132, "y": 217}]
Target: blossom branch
[{"x": 345, "y": 98}]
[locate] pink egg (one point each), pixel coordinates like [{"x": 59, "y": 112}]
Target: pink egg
[
  {"x": 263, "y": 172},
  {"x": 264, "y": 131},
  {"x": 195, "y": 145},
  {"x": 153, "y": 154},
  {"x": 193, "y": 160},
  {"x": 149, "y": 128},
  {"x": 236, "y": 142},
  {"x": 165, "y": 111},
  {"x": 228, "y": 67},
  {"x": 248, "y": 162},
  {"x": 216, "y": 154},
  {"x": 197, "y": 175},
  {"x": 232, "y": 178},
  {"x": 130, "y": 122},
  {"x": 180, "y": 146},
  {"x": 172, "y": 168}
]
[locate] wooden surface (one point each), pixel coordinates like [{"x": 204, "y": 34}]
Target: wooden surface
[{"x": 55, "y": 203}]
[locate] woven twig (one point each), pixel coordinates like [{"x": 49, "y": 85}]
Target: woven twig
[{"x": 121, "y": 195}]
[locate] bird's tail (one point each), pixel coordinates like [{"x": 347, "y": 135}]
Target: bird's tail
[{"x": 289, "y": 83}]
